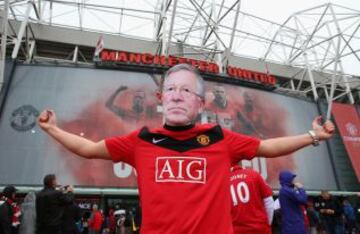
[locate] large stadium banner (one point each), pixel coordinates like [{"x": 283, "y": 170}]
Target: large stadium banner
[
  {"x": 98, "y": 103},
  {"x": 348, "y": 122}
]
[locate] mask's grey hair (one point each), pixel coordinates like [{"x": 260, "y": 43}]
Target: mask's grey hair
[{"x": 200, "y": 85}]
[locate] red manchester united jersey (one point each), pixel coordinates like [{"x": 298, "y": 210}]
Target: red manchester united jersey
[
  {"x": 183, "y": 175},
  {"x": 248, "y": 189}
]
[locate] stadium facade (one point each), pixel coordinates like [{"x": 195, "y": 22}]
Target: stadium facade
[{"x": 112, "y": 93}]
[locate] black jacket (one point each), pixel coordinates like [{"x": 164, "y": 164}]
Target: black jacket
[
  {"x": 6, "y": 214},
  {"x": 332, "y": 204},
  {"x": 72, "y": 214},
  {"x": 50, "y": 205}
]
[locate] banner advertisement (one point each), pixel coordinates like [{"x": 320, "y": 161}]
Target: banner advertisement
[
  {"x": 348, "y": 123},
  {"x": 99, "y": 103}
]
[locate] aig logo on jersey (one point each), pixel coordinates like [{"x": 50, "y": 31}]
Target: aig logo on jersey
[{"x": 180, "y": 169}]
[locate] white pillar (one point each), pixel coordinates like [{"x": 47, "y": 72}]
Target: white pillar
[
  {"x": 3, "y": 42},
  {"x": 21, "y": 31}
]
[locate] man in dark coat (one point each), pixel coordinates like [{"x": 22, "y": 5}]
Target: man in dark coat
[
  {"x": 330, "y": 212},
  {"x": 292, "y": 196},
  {"x": 50, "y": 205}
]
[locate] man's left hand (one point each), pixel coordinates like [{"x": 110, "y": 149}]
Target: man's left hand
[{"x": 323, "y": 131}]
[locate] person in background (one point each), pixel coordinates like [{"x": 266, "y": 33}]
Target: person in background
[
  {"x": 72, "y": 214},
  {"x": 28, "y": 218},
  {"x": 350, "y": 217},
  {"x": 137, "y": 219},
  {"x": 330, "y": 213},
  {"x": 95, "y": 221},
  {"x": 306, "y": 218},
  {"x": 85, "y": 222},
  {"x": 292, "y": 197},
  {"x": 111, "y": 221},
  {"x": 313, "y": 217},
  {"x": 128, "y": 221},
  {"x": 357, "y": 211},
  {"x": 120, "y": 221},
  {"x": 50, "y": 204},
  {"x": 276, "y": 223},
  {"x": 9, "y": 211},
  {"x": 252, "y": 202}
]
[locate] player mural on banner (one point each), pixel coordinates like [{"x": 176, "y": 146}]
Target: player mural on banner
[
  {"x": 143, "y": 111},
  {"x": 124, "y": 110},
  {"x": 252, "y": 113}
]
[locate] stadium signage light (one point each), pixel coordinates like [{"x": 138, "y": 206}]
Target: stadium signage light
[{"x": 124, "y": 57}]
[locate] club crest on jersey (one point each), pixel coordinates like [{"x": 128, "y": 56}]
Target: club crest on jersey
[
  {"x": 180, "y": 169},
  {"x": 203, "y": 139}
]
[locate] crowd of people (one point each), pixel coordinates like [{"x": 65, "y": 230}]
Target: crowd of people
[
  {"x": 53, "y": 210},
  {"x": 253, "y": 210},
  {"x": 183, "y": 169},
  {"x": 323, "y": 214},
  {"x": 293, "y": 212}
]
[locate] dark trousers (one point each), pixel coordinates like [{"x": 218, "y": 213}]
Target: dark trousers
[
  {"x": 47, "y": 230},
  {"x": 330, "y": 226}
]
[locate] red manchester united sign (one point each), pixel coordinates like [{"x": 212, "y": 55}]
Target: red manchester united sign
[{"x": 123, "y": 57}]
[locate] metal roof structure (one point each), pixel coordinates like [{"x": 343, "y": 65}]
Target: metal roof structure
[{"x": 320, "y": 46}]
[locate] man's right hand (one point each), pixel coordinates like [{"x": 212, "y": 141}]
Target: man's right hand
[
  {"x": 70, "y": 189},
  {"x": 47, "y": 119},
  {"x": 298, "y": 185}
]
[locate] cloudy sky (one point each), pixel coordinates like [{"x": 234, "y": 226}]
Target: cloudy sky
[{"x": 280, "y": 10}]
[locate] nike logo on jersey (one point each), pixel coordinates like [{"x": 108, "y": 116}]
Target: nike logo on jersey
[{"x": 155, "y": 141}]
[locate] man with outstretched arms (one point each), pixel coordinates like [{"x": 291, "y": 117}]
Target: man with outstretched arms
[
  {"x": 183, "y": 168},
  {"x": 252, "y": 202}
]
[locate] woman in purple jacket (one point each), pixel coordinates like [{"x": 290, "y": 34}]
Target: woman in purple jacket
[{"x": 292, "y": 196}]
